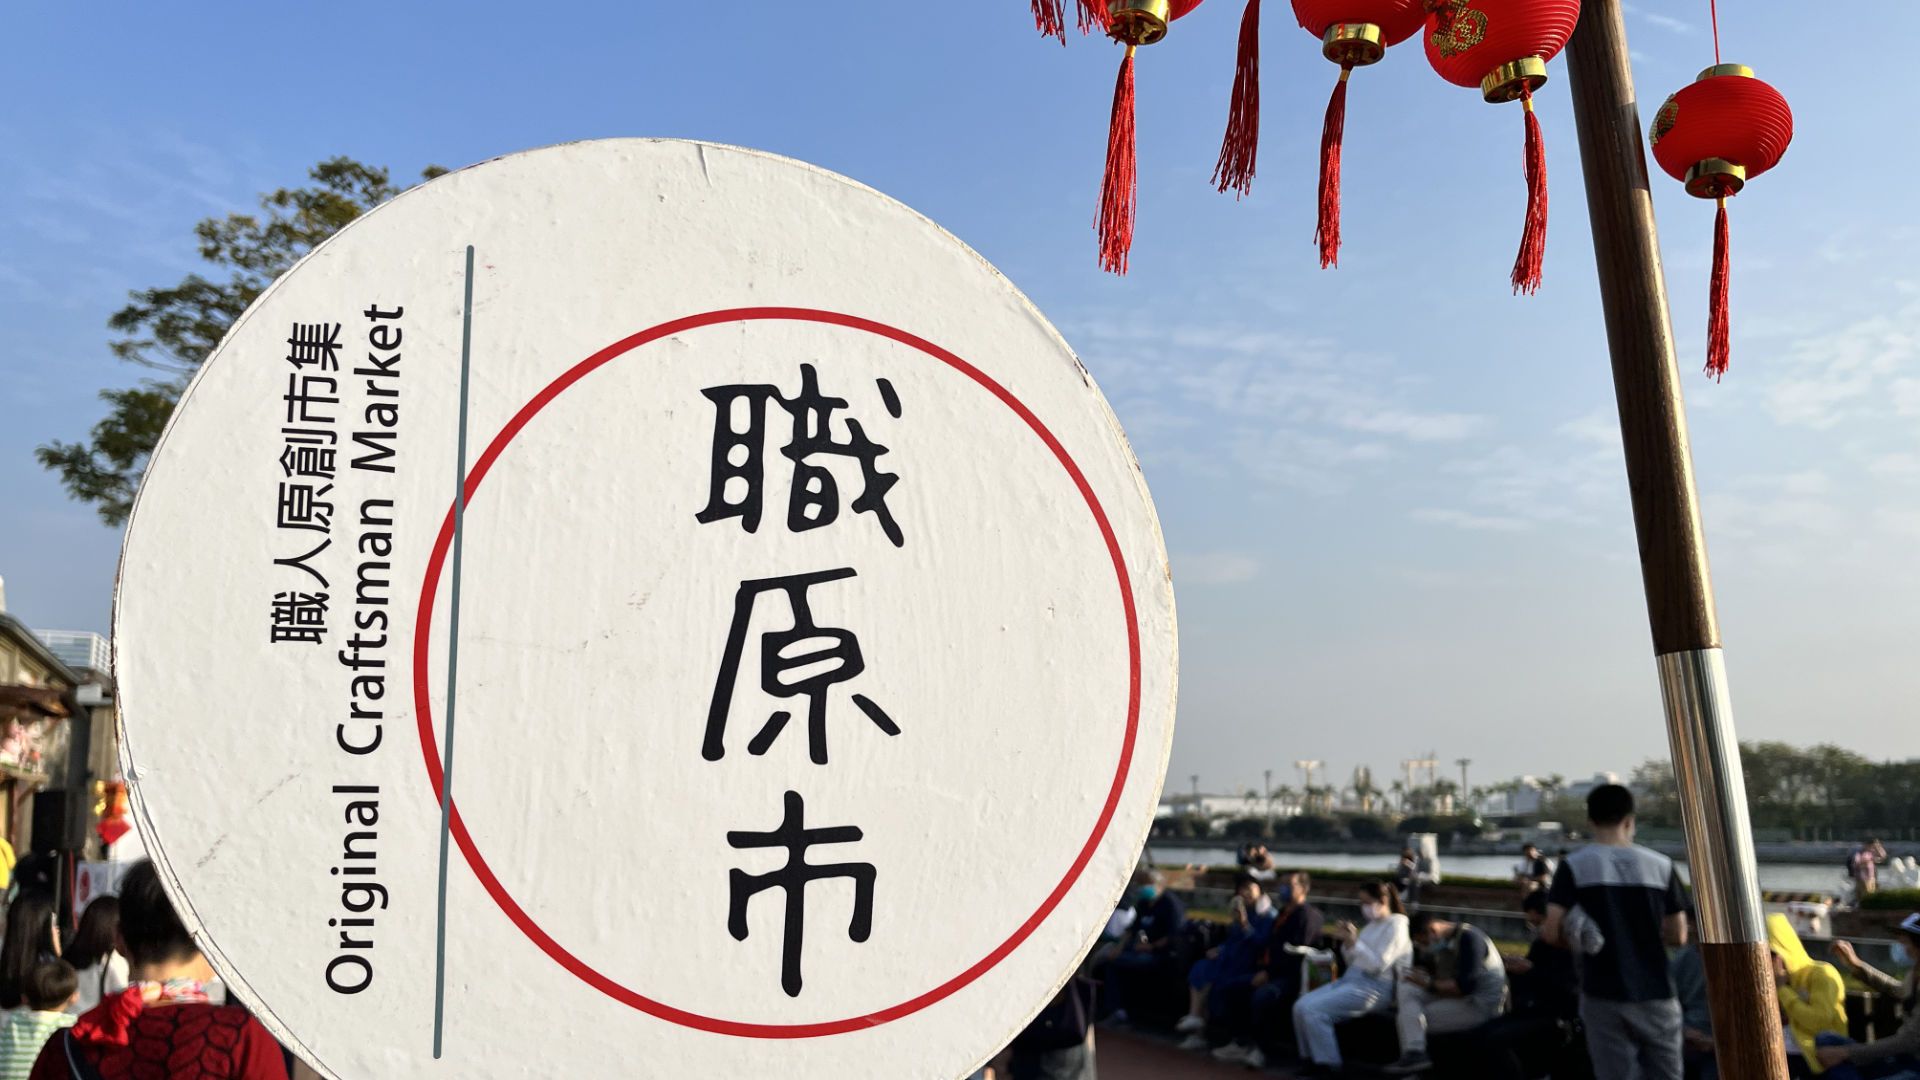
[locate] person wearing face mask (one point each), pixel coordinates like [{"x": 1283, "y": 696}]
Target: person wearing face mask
[
  {"x": 1220, "y": 984},
  {"x": 1264, "y": 1030},
  {"x": 1376, "y": 954},
  {"x": 1897, "y": 1055},
  {"x": 1149, "y": 961}
]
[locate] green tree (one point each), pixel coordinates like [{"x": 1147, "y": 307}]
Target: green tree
[{"x": 171, "y": 330}]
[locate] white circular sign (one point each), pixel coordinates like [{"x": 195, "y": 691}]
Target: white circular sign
[{"x": 814, "y": 670}]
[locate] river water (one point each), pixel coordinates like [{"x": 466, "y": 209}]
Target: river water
[{"x": 1774, "y": 877}]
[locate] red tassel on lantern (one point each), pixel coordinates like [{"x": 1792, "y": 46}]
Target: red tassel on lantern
[
  {"x": 1050, "y": 18},
  {"x": 1326, "y": 231},
  {"x": 1352, "y": 33},
  {"x": 1533, "y": 236},
  {"x": 1241, "y": 144},
  {"x": 1502, "y": 47},
  {"x": 1118, "y": 183},
  {"x": 1714, "y": 135},
  {"x": 1132, "y": 23}
]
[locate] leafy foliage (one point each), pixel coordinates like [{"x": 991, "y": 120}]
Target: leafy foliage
[
  {"x": 171, "y": 330},
  {"x": 1812, "y": 791},
  {"x": 1892, "y": 900}
]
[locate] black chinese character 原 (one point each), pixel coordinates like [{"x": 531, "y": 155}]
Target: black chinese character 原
[
  {"x": 793, "y": 879},
  {"x": 836, "y": 661},
  {"x": 301, "y": 507}
]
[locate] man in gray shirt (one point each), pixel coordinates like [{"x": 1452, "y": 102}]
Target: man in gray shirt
[{"x": 1632, "y": 898}]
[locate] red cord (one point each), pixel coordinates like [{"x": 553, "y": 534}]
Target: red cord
[{"x": 1713, "y": 12}]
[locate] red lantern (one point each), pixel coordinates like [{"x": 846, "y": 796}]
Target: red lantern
[
  {"x": 1502, "y": 47},
  {"x": 1132, "y": 23},
  {"x": 1715, "y": 135}
]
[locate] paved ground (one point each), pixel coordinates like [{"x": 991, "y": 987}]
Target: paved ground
[{"x": 1123, "y": 1055}]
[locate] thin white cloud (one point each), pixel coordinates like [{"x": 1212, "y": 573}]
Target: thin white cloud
[
  {"x": 1289, "y": 410},
  {"x": 1215, "y": 568},
  {"x": 1836, "y": 374},
  {"x": 1415, "y": 426},
  {"x": 1461, "y": 519},
  {"x": 1664, "y": 22},
  {"x": 1905, "y": 395},
  {"x": 1894, "y": 466}
]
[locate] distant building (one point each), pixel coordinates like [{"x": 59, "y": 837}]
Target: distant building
[
  {"x": 79, "y": 649},
  {"x": 1219, "y": 809},
  {"x": 49, "y": 711},
  {"x": 1527, "y": 796}
]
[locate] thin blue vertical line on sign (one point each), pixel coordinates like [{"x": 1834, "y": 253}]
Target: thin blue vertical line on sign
[{"x": 453, "y": 668}]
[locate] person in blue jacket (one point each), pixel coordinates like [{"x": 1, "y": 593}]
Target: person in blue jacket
[{"x": 1224, "y": 976}]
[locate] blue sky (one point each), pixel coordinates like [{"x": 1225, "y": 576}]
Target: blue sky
[{"x": 1393, "y": 492}]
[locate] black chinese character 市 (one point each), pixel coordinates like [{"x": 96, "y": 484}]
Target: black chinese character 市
[{"x": 793, "y": 879}]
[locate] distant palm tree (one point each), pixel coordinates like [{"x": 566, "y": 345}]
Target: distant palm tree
[
  {"x": 1550, "y": 789},
  {"x": 1364, "y": 790}
]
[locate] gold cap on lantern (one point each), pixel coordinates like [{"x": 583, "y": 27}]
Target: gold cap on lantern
[
  {"x": 1353, "y": 44},
  {"x": 1138, "y": 22},
  {"x": 1509, "y": 81},
  {"x": 1717, "y": 70},
  {"x": 1716, "y": 178}
]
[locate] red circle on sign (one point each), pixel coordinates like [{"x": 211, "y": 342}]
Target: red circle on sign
[{"x": 429, "y": 744}]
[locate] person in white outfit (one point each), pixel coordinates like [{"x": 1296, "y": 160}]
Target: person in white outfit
[
  {"x": 1376, "y": 953},
  {"x": 93, "y": 953}
]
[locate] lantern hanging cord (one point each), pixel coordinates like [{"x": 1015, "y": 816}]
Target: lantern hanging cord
[{"x": 1713, "y": 13}]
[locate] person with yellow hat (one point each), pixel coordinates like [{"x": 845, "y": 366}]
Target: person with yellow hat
[{"x": 1813, "y": 998}]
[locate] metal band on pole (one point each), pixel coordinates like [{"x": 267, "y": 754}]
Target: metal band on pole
[
  {"x": 1713, "y": 796},
  {"x": 1673, "y": 552}
]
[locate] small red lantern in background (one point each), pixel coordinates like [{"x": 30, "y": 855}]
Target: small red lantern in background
[
  {"x": 1502, "y": 47},
  {"x": 111, "y": 808},
  {"x": 1714, "y": 135}
]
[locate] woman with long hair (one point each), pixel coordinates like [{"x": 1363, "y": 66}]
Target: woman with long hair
[
  {"x": 92, "y": 952},
  {"x": 31, "y": 938},
  {"x": 1376, "y": 953}
]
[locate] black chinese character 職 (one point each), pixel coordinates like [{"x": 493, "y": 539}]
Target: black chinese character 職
[
  {"x": 793, "y": 879},
  {"x": 738, "y": 471},
  {"x": 298, "y": 616},
  {"x": 836, "y": 662}
]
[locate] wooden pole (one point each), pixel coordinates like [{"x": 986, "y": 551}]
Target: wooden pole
[{"x": 1673, "y": 551}]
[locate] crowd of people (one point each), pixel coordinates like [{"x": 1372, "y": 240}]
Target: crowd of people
[
  {"x": 125, "y": 996},
  {"x": 1610, "y": 987}
]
